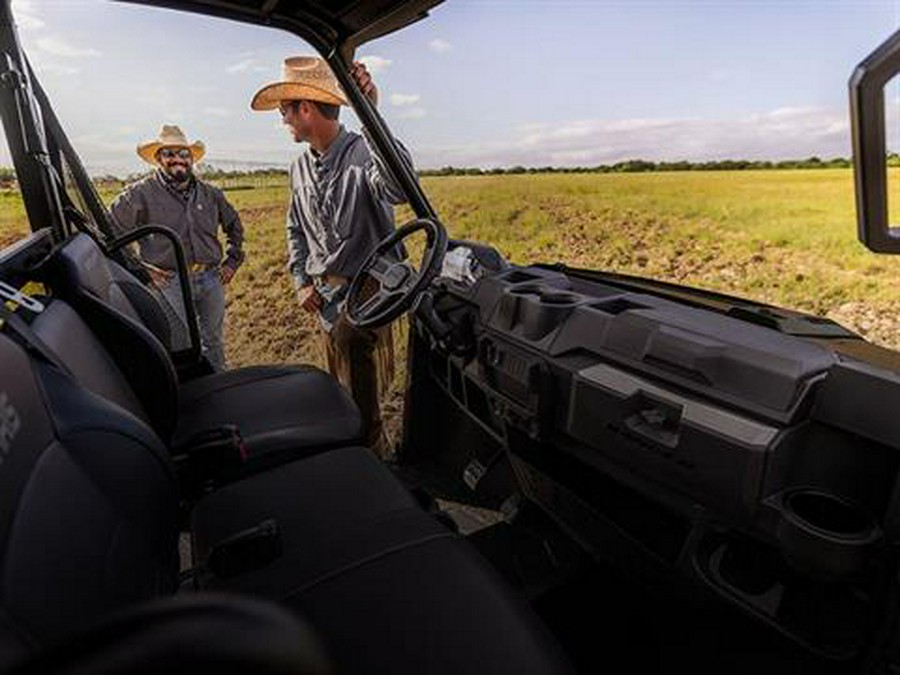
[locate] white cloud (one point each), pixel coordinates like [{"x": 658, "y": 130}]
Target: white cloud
[
  {"x": 216, "y": 112},
  {"x": 55, "y": 69},
  {"x": 786, "y": 133},
  {"x": 413, "y": 113},
  {"x": 59, "y": 47},
  {"x": 29, "y": 22},
  {"x": 246, "y": 65},
  {"x": 440, "y": 46},
  {"x": 240, "y": 66},
  {"x": 376, "y": 64},
  {"x": 404, "y": 99}
]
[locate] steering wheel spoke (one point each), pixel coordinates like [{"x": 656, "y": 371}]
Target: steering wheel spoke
[
  {"x": 380, "y": 267},
  {"x": 379, "y": 301}
]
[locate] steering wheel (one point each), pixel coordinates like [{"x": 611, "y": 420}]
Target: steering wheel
[{"x": 384, "y": 288}]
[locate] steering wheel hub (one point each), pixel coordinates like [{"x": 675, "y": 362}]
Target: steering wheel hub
[{"x": 395, "y": 276}]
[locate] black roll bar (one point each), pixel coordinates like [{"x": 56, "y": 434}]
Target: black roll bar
[
  {"x": 39, "y": 181},
  {"x": 180, "y": 268}
]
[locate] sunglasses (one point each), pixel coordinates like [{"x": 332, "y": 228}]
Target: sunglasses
[
  {"x": 284, "y": 106},
  {"x": 169, "y": 153}
]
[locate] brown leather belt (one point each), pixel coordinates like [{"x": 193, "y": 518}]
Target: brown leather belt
[{"x": 334, "y": 280}]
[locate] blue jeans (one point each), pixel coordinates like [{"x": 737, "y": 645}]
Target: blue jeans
[{"x": 209, "y": 305}]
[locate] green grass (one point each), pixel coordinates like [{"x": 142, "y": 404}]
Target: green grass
[{"x": 787, "y": 237}]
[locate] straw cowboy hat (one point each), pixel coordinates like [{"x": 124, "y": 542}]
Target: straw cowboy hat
[
  {"x": 170, "y": 136},
  {"x": 302, "y": 77}
]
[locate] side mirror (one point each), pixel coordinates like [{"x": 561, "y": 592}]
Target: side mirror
[{"x": 867, "y": 119}]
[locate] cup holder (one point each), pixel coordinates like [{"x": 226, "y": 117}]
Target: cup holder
[
  {"x": 822, "y": 534},
  {"x": 559, "y": 299},
  {"x": 546, "y": 295},
  {"x": 538, "y": 308},
  {"x": 827, "y": 513}
]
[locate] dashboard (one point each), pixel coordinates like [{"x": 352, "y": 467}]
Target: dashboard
[{"x": 670, "y": 440}]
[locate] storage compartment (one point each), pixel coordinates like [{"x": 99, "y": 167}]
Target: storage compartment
[{"x": 711, "y": 454}]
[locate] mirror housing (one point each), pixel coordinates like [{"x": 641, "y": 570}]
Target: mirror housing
[{"x": 867, "y": 119}]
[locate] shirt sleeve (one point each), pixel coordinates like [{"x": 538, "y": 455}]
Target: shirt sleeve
[
  {"x": 298, "y": 248},
  {"x": 234, "y": 232},
  {"x": 128, "y": 212},
  {"x": 381, "y": 179}
]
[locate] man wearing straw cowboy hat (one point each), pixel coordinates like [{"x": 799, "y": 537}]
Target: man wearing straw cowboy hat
[
  {"x": 342, "y": 198},
  {"x": 173, "y": 196}
]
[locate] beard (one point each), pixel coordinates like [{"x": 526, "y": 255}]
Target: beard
[{"x": 180, "y": 173}]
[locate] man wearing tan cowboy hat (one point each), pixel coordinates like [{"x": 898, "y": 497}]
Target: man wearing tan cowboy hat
[
  {"x": 341, "y": 207},
  {"x": 173, "y": 196}
]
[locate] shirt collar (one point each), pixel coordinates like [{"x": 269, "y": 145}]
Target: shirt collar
[
  {"x": 169, "y": 184},
  {"x": 326, "y": 160}
]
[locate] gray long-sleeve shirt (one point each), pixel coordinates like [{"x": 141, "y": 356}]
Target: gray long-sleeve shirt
[
  {"x": 341, "y": 207},
  {"x": 195, "y": 217}
]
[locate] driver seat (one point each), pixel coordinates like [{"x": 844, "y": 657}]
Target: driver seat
[{"x": 281, "y": 412}]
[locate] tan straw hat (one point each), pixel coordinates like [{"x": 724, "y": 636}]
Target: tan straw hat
[
  {"x": 303, "y": 77},
  {"x": 170, "y": 136}
]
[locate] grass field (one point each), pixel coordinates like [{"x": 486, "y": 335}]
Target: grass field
[{"x": 783, "y": 237}]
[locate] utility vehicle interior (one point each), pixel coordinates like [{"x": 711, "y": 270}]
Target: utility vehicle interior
[{"x": 681, "y": 479}]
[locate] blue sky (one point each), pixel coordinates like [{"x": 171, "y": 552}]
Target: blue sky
[{"x": 480, "y": 82}]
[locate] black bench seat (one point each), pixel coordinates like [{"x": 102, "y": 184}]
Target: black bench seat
[{"x": 90, "y": 525}]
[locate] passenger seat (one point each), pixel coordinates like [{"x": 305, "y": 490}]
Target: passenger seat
[{"x": 279, "y": 411}]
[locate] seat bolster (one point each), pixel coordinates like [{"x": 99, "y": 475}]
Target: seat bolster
[
  {"x": 142, "y": 359},
  {"x": 80, "y": 265},
  {"x": 79, "y": 349},
  {"x": 148, "y": 309}
]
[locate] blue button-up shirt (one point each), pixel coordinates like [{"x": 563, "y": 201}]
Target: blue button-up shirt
[{"x": 341, "y": 207}]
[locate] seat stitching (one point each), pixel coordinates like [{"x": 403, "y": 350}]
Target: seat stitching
[
  {"x": 365, "y": 561},
  {"x": 242, "y": 383}
]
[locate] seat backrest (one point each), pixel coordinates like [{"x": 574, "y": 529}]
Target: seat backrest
[
  {"x": 81, "y": 266},
  {"x": 88, "y": 503},
  {"x": 113, "y": 356}
]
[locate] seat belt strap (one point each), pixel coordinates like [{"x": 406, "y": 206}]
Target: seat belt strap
[{"x": 18, "y": 327}]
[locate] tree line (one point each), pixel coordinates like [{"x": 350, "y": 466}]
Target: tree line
[
  {"x": 218, "y": 175},
  {"x": 645, "y": 166}
]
